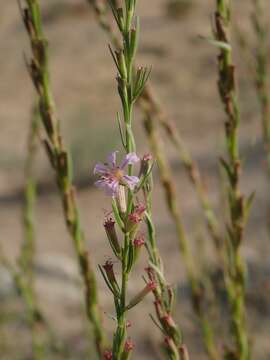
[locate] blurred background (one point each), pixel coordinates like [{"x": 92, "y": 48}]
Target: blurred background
[{"x": 83, "y": 77}]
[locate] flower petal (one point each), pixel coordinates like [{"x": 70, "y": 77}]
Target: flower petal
[
  {"x": 112, "y": 188},
  {"x": 101, "y": 169},
  {"x": 129, "y": 159},
  {"x": 131, "y": 181},
  {"x": 101, "y": 184},
  {"x": 112, "y": 159}
]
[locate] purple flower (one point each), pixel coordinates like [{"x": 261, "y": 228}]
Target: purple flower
[{"x": 111, "y": 175}]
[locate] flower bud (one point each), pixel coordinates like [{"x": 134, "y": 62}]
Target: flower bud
[
  {"x": 129, "y": 345},
  {"x": 170, "y": 327},
  {"x": 168, "y": 320},
  {"x": 138, "y": 243},
  {"x": 109, "y": 226},
  {"x": 108, "y": 355},
  {"x": 150, "y": 272},
  {"x": 128, "y": 348},
  {"x": 149, "y": 287},
  {"x": 135, "y": 218},
  {"x": 146, "y": 163},
  {"x": 108, "y": 267}
]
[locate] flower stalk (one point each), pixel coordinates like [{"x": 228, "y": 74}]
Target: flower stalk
[
  {"x": 153, "y": 110},
  {"x": 130, "y": 85},
  {"x": 121, "y": 186}
]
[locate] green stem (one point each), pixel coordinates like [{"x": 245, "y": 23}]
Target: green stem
[
  {"x": 238, "y": 206},
  {"x": 25, "y": 281},
  {"x": 174, "y": 210},
  {"x": 61, "y": 163}
]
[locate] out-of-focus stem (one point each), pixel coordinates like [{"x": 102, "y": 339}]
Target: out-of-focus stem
[
  {"x": 262, "y": 80},
  {"x": 163, "y": 292},
  {"x": 171, "y": 199},
  {"x": 151, "y": 107},
  {"x": 169, "y": 189},
  {"x": 238, "y": 205},
  {"x": 25, "y": 280},
  {"x": 35, "y": 317},
  {"x": 60, "y": 161},
  {"x": 101, "y": 14}
]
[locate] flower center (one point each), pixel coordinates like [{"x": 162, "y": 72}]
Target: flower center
[{"x": 118, "y": 174}]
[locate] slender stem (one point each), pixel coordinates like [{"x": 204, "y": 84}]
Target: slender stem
[
  {"x": 262, "y": 77},
  {"x": 125, "y": 88},
  {"x": 238, "y": 206},
  {"x": 128, "y": 86},
  {"x": 35, "y": 316},
  {"x": 25, "y": 281},
  {"x": 163, "y": 292},
  {"x": 60, "y": 161},
  {"x": 174, "y": 209}
]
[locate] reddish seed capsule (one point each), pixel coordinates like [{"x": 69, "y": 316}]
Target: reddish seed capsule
[
  {"x": 135, "y": 218},
  {"x": 109, "y": 225},
  {"x": 151, "y": 286},
  {"x": 146, "y": 163},
  {"x": 108, "y": 267},
  {"x": 139, "y": 241},
  {"x": 108, "y": 355},
  {"x": 169, "y": 321},
  {"x": 129, "y": 345},
  {"x": 150, "y": 273}
]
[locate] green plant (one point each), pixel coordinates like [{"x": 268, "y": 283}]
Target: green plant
[
  {"x": 153, "y": 112},
  {"x": 60, "y": 161},
  {"x": 235, "y": 272},
  {"x": 127, "y": 214}
]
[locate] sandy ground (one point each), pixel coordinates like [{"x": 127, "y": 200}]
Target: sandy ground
[{"x": 82, "y": 73}]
